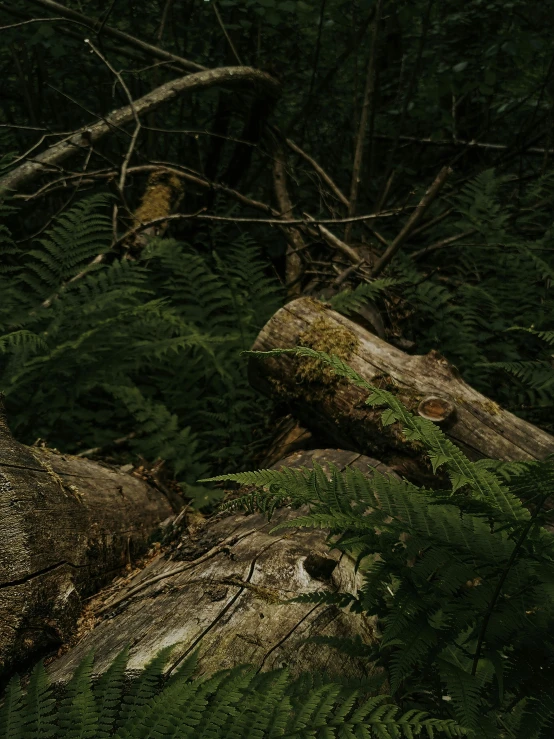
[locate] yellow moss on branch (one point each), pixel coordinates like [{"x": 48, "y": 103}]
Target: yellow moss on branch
[
  {"x": 163, "y": 190},
  {"x": 326, "y": 336}
]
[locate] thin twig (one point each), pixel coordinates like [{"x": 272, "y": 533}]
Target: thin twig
[
  {"x": 229, "y": 39},
  {"x": 331, "y": 184},
  {"x": 385, "y": 193},
  {"x": 134, "y": 137},
  {"x": 334, "y": 241},
  {"x": 320, "y": 171},
  {"x": 345, "y": 274},
  {"x": 415, "y": 217},
  {"x": 441, "y": 244},
  {"x": 366, "y": 114},
  {"x": 105, "y": 19},
  {"x": 33, "y": 20},
  {"x": 432, "y": 222},
  {"x": 161, "y": 29},
  {"x": 472, "y": 144}
]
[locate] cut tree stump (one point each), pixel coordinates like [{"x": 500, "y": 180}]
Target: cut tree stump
[
  {"x": 67, "y": 525},
  {"x": 335, "y": 410},
  {"x": 219, "y": 590}
]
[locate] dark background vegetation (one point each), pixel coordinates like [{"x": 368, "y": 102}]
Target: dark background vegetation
[
  {"x": 128, "y": 350},
  {"x": 148, "y": 350}
]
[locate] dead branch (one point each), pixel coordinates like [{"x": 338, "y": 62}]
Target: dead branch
[
  {"x": 473, "y": 144},
  {"x": 334, "y": 241},
  {"x": 442, "y": 243},
  {"x": 89, "y": 135},
  {"x": 320, "y": 171},
  {"x": 366, "y": 114},
  {"x": 294, "y": 237},
  {"x": 412, "y": 221}
]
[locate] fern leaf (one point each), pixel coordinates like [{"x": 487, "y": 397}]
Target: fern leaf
[
  {"x": 108, "y": 694},
  {"x": 11, "y": 712},
  {"x": 39, "y": 722},
  {"x": 77, "y": 713}
]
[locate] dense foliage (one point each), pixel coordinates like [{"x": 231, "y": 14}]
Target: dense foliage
[
  {"x": 148, "y": 348},
  {"x": 461, "y": 579},
  {"x": 124, "y": 348},
  {"x": 232, "y": 704}
]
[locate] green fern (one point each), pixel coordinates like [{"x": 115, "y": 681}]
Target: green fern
[
  {"x": 11, "y": 712},
  {"x": 465, "y": 600},
  {"x": 38, "y": 710},
  {"x": 148, "y": 349},
  {"x": 348, "y": 301},
  {"x": 465, "y": 297},
  {"x": 231, "y": 704}
]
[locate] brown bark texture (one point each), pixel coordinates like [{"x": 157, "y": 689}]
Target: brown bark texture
[
  {"x": 335, "y": 410},
  {"x": 67, "y": 525},
  {"x": 220, "y": 589}
]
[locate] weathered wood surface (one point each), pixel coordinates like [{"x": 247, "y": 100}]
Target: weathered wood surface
[
  {"x": 336, "y": 411},
  {"x": 219, "y": 589},
  {"x": 66, "y": 526}
]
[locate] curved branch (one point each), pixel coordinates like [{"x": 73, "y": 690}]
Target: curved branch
[{"x": 89, "y": 135}]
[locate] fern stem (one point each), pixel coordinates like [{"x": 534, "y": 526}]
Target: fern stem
[{"x": 502, "y": 580}]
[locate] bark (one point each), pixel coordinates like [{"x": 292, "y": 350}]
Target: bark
[
  {"x": 66, "y": 526},
  {"x": 219, "y": 590},
  {"x": 335, "y": 411},
  {"x": 293, "y": 267},
  {"x": 87, "y": 136}
]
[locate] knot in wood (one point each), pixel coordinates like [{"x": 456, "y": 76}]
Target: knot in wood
[
  {"x": 438, "y": 410},
  {"x": 318, "y": 567}
]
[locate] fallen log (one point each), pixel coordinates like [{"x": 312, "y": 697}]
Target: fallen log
[
  {"x": 220, "y": 589},
  {"x": 67, "y": 525},
  {"x": 335, "y": 410}
]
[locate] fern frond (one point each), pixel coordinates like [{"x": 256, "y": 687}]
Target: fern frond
[
  {"x": 463, "y": 687},
  {"x": 77, "y": 713},
  {"x": 39, "y": 721},
  {"x": 145, "y": 688},
  {"x": 11, "y": 712},
  {"x": 76, "y": 237},
  {"x": 348, "y": 301},
  {"x": 108, "y": 693}
]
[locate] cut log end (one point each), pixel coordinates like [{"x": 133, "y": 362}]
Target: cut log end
[{"x": 438, "y": 410}]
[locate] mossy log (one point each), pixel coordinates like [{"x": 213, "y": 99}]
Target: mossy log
[
  {"x": 220, "y": 589},
  {"x": 335, "y": 410},
  {"x": 66, "y": 526}
]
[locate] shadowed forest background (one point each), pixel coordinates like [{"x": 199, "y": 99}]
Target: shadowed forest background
[{"x": 173, "y": 172}]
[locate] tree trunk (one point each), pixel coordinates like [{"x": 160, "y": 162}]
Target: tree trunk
[
  {"x": 335, "y": 411},
  {"x": 66, "y": 526},
  {"x": 220, "y": 589}
]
